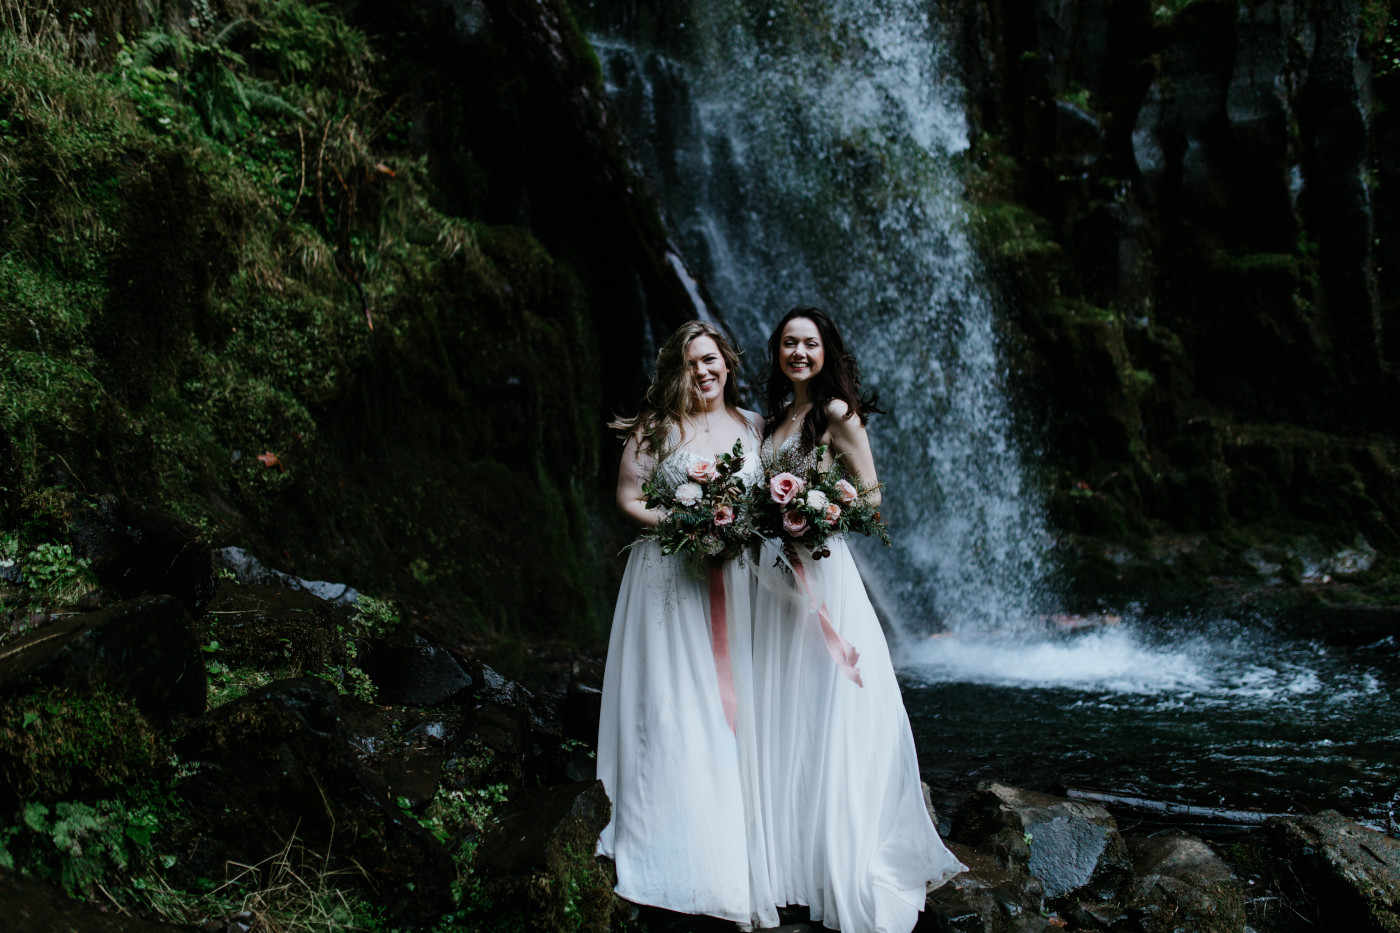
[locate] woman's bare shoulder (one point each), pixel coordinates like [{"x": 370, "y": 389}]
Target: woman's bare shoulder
[
  {"x": 837, "y": 409},
  {"x": 753, "y": 418}
]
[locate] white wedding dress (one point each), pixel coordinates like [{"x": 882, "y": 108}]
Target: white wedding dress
[
  {"x": 846, "y": 828},
  {"x": 685, "y": 831}
]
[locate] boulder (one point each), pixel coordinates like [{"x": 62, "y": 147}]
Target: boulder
[
  {"x": 248, "y": 569},
  {"x": 275, "y": 628},
  {"x": 1181, "y": 883},
  {"x": 142, "y": 649},
  {"x": 401, "y": 751},
  {"x": 137, "y": 550},
  {"x": 278, "y": 763},
  {"x": 987, "y": 898},
  {"x": 1068, "y": 845},
  {"x": 538, "y": 863},
  {"x": 413, "y": 674},
  {"x": 1353, "y": 870}
]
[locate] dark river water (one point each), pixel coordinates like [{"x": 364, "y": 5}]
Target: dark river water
[{"x": 1218, "y": 713}]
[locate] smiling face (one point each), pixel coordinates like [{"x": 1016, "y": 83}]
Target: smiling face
[
  {"x": 800, "y": 350},
  {"x": 708, "y": 368}
]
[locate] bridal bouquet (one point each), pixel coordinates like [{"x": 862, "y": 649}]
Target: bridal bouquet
[
  {"x": 809, "y": 508},
  {"x": 706, "y": 513}
]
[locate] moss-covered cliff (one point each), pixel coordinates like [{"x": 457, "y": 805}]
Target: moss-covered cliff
[
  {"x": 1186, "y": 208},
  {"x": 337, "y": 286}
]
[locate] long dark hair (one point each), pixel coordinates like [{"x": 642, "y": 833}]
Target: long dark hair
[{"x": 839, "y": 378}]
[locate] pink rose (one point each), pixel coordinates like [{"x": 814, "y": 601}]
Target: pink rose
[
  {"x": 795, "y": 524},
  {"x": 832, "y": 514},
  {"x": 724, "y": 514},
  {"x": 702, "y": 471},
  {"x": 847, "y": 490},
  {"x": 784, "y": 486}
]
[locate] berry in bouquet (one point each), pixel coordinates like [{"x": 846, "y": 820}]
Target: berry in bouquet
[
  {"x": 807, "y": 505},
  {"x": 707, "y": 512}
]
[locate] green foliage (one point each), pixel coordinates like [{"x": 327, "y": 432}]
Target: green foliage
[
  {"x": 77, "y": 844},
  {"x": 54, "y": 574},
  {"x": 57, "y": 743},
  {"x": 376, "y": 617}
]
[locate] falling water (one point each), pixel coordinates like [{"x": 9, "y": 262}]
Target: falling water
[{"x": 808, "y": 155}]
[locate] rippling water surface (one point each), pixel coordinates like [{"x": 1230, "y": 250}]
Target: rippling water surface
[{"x": 1217, "y": 713}]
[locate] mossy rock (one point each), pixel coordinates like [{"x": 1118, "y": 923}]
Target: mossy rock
[{"x": 59, "y": 743}]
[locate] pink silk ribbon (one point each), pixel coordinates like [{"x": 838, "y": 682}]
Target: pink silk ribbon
[
  {"x": 719, "y": 644},
  {"x": 842, "y": 651}
]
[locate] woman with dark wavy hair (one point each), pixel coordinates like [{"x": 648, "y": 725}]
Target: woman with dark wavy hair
[
  {"x": 676, "y": 738},
  {"x": 845, "y": 825}
]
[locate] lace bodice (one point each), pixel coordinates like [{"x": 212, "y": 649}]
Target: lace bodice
[{"x": 787, "y": 456}]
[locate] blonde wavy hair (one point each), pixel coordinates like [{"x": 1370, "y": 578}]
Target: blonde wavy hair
[{"x": 673, "y": 394}]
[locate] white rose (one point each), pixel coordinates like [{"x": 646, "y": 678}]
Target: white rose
[
  {"x": 816, "y": 500},
  {"x": 689, "y": 493}
]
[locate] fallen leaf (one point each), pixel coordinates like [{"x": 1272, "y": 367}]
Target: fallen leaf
[{"x": 270, "y": 460}]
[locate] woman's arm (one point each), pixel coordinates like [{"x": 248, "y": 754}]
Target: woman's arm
[
  {"x": 632, "y": 472},
  {"x": 848, "y": 438}
]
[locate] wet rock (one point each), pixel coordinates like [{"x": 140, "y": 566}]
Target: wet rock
[
  {"x": 1070, "y": 846},
  {"x": 1182, "y": 883},
  {"x": 494, "y": 749},
  {"x": 401, "y": 751},
  {"x": 142, "y": 649},
  {"x": 28, "y": 905},
  {"x": 1353, "y": 870},
  {"x": 248, "y": 569},
  {"x": 539, "y": 861},
  {"x": 136, "y": 551},
  {"x": 987, "y": 898},
  {"x": 279, "y": 762},
  {"x": 275, "y": 628},
  {"x": 413, "y": 674}
]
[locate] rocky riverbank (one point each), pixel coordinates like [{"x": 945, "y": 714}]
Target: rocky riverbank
[{"x": 229, "y": 757}]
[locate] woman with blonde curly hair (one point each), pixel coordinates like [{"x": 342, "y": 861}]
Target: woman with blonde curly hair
[{"x": 676, "y": 746}]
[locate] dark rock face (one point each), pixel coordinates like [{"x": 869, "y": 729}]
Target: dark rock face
[
  {"x": 136, "y": 550},
  {"x": 1068, "y": 845},
  {"x": 143, "y": 649},
  {"x": 1352, "y": 870},
  {"x": 1204, "y": 253},
  {"x": 279, "y": 762}
]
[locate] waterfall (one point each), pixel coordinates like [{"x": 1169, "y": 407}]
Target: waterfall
[{"x": 808, "y": 154}]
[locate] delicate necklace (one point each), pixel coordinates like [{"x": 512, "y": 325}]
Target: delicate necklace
[{"x": 804, "y": 410}]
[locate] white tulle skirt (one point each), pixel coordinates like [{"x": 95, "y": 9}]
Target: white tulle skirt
[
  {"x": 845, "y": 825},
  {"x": 685, "y": 832}
]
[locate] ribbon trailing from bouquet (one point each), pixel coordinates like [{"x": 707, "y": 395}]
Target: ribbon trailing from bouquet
[
  {"x": 842, "y": 652},
  {"x": 719, "y": 644}
]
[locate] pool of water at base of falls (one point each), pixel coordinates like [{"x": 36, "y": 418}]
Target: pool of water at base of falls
[{"x": 1215, "y": 714}]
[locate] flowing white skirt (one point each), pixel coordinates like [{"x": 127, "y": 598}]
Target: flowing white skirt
[
  {"x": 685, "y": 831},
  {"x": 847, "y": 831}
]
